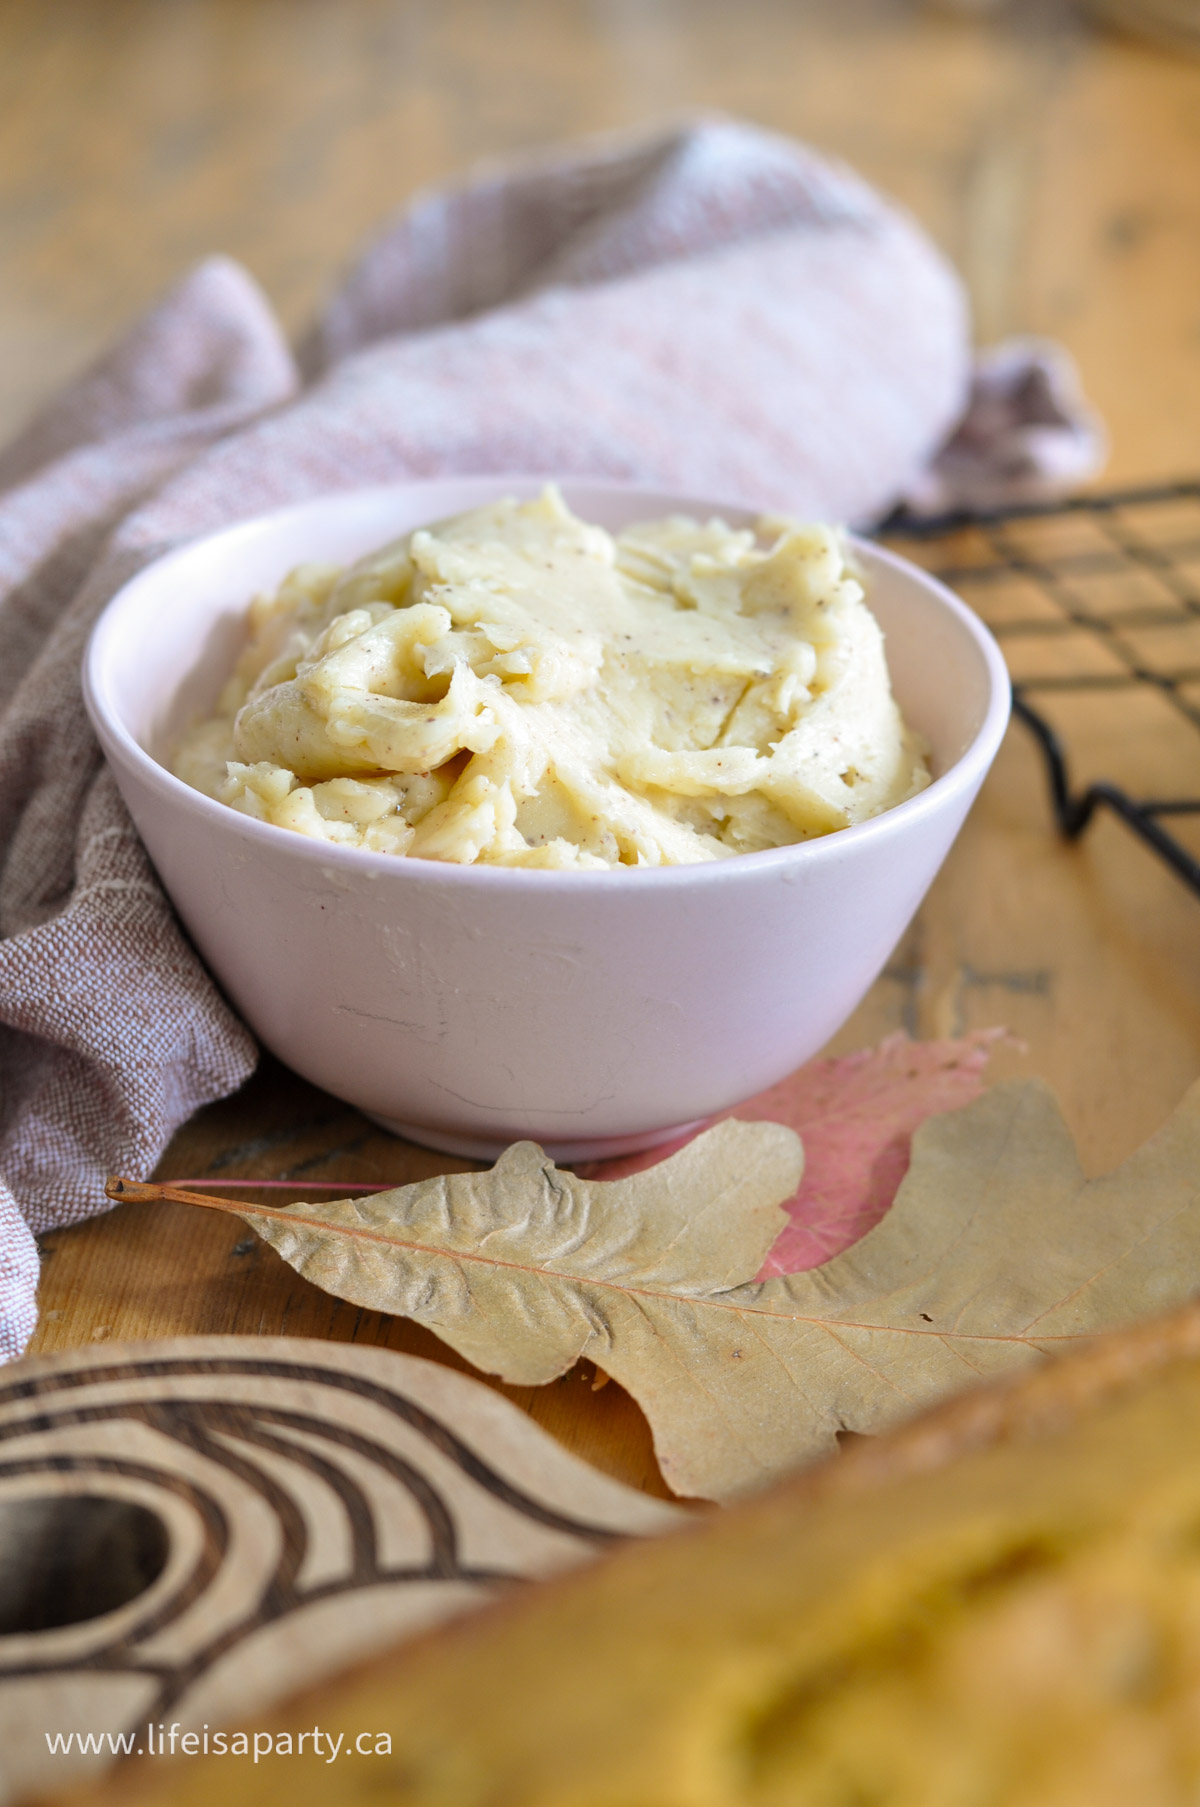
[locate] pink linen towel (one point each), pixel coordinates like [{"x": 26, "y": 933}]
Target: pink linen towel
[{"x": 710, "y": 309}]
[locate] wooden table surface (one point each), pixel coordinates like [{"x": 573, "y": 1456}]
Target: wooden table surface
[{"x": 1059, "y": 167}]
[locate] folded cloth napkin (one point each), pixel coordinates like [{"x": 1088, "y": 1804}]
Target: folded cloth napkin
[
  {"x": 1027, "y": 433},
  {"x": 710, "y": 309}
]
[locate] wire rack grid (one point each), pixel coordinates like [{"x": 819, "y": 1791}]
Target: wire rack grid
[{"x": 1096, "y": 603}]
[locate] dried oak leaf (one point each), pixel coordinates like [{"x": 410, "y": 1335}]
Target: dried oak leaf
[{"x": 996, "y": 1249}]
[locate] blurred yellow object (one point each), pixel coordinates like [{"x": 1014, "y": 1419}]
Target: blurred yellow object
[{"x": 999, "y": 1603}]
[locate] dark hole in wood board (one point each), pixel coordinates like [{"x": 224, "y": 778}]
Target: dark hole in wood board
[{"x": 66, "y": 1559}]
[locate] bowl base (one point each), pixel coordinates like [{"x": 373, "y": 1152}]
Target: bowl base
[{"x": 564, "y": 1154}]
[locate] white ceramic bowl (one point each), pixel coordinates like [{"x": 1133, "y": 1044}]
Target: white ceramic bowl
[{"x": 466, "y": 1006}]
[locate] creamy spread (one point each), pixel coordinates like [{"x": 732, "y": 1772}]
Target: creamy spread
[{"x": 516, "y": 687}]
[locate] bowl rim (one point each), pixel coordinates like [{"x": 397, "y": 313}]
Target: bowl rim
[{"x": 120, "y": 747}]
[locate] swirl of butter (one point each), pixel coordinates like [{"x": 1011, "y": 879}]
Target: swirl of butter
[{"x": 519, "y": 687}]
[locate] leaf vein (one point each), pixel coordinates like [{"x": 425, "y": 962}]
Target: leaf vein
[{"x": 696, "y": 1301}]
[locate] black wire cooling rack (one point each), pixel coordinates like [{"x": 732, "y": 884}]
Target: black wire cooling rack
[{"x": 1096, "y": 602}]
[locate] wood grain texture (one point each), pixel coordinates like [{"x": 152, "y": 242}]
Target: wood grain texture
[
  {"x": 1059, "y": 167},
  {"x": 1054, "y": 163},
  {"x": 192, "y": 1528}
]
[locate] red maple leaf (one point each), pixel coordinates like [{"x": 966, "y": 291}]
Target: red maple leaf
[{"x": 856, "y": 1115}]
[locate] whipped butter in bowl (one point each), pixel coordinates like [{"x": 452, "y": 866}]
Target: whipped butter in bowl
[
  {"x": 518, "y": 687},
  {"x": 572, "y": 817}
]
